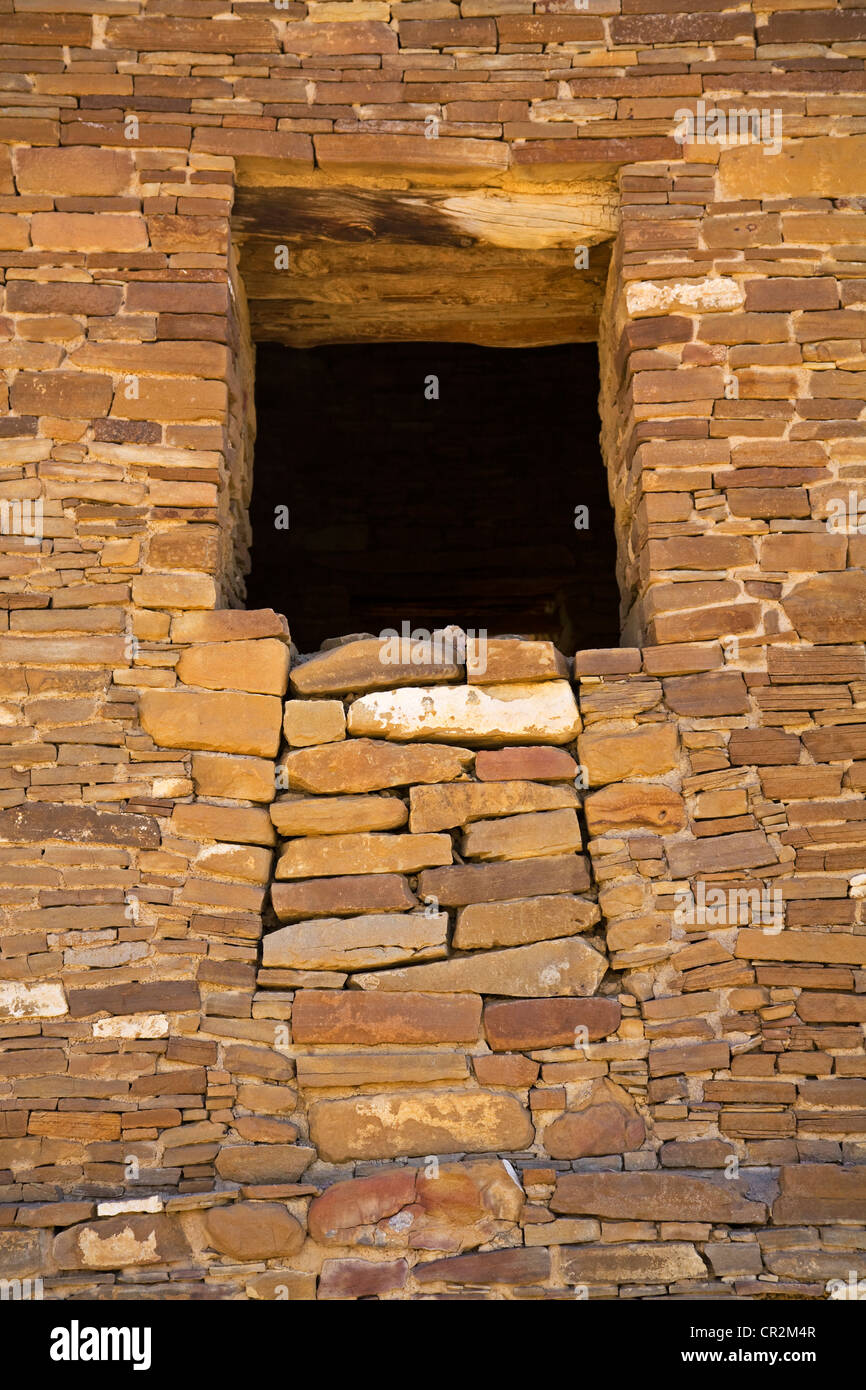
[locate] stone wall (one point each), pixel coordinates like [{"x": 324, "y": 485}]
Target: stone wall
[{"x": 389, "y": 1104}]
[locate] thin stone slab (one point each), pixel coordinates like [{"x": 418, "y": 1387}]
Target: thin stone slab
[
  {"x": 350, "y": 1017},
  {"x": 336, "y": 815},
  {"x": 525, "y": 878},
  {"x": 357, "y": 943},
  {"x": 517, "y": 923},
  {"x": 356, "y": 667},
  {"x": 323, "y": 855},
  {"x": 523, "y": 837},
  {"x": 344, "y": 896},
  {"x": 417, "y": 1123},
  {"x": 477, "y": 715},
  {"x": 458, "y": 803},
  {"x": 512, "y": 659},
  {"x": 546, "y": 968},
  {"x": 360, "y": 1068},
  {"x": 368, "y": 765}
]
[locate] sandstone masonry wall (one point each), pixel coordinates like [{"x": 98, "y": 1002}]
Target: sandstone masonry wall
[{"x": 357, "y": 1067}]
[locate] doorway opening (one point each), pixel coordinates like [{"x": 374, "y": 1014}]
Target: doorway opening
[{"x": 432, "y": 484}]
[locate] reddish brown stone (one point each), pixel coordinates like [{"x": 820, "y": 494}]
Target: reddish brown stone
[
  {"x": 337, "y": 1016},
  {"x": 81, "y": 394},
  {"x": 517, "y": 1267},
  {"x": 763, "y": 748},
  {"x": 707, "y": 695},
  {"x": 655, "y": 1197},
  {"x": 36, "y": 823},
  {"x": 361, "y": 1278},
  {"x": 192, "y": 35},
  {"x": 360, "y": 1202},
  {"x": 508, "y": 1069},
  {"x": 167, "y": 996},
  {"x": 342, "y": 897},
  {"x": 474, "y": 883},
  {"x": 254, "y": 1231},
  {"x": 607, "y": 1123},
  {"x": 829, "y": 607},
  {"x": 529, "y": 764},
  {"x": 820, "y": 1193},
  {"x": 527, "y": 1024}
]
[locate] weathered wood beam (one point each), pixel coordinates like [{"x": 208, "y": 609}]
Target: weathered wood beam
[{"x": 492, "y": 216}]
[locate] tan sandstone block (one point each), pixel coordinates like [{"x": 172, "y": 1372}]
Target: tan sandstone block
[
  {"x": 244, "y": 825},
  {"x": 261, "y": 667},
  {"x": 655, "y": 1197},
  {"x": 263, "y": 1163},
  {"x": 363, "y": 1068},
  {"x": 357, "y": 943},
  {"x": 173, "y": 589},
  {"x": 366, "y": 765},
  {"x": 362, "y": 854},
  {"x": 368, "y": 664},
  {"x": 634, "y": 808},
  {"x": 121, "y": 1242},
  {"x": 482, "y": 925},
  {"x": 88, "y": 231},
  {"x": 173, "y": 399},
  {"x": 605, "y": 1121},
  {"x": 443, "y": 807},
  {"x": 229, "y": 625},
  {"x": 249, "y": 863},
  {"x": 712, "y": 294},
  {"x": 67, "y": 394},
  {"x": 544, "y": 969},
  {"x": 649, "y": 1262},
  {"x": 523, "y": 837},
  {"x": 223, "y": 722},
  {"x": 819, "y": 167},
  {"x": 253, "y": 1231},
  {"x": 519, "y": 713},
  {"x": 21, "y": 999},
  {"x": 336, "y": 815},
  {"x": 827, "y": 947},
  {"x": 14, "y": 237},
  {"x": 503, "y": 660},
  {"x": 418, "y": 1123},
  {"x": 306, "y": 722},
  {"x": 646, "y": 751},
  {"x": 240, "y": 779},
  {"x": 74, "y": 170}
]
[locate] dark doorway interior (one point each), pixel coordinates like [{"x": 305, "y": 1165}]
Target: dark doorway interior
[{"x": 459, "y": 509}]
